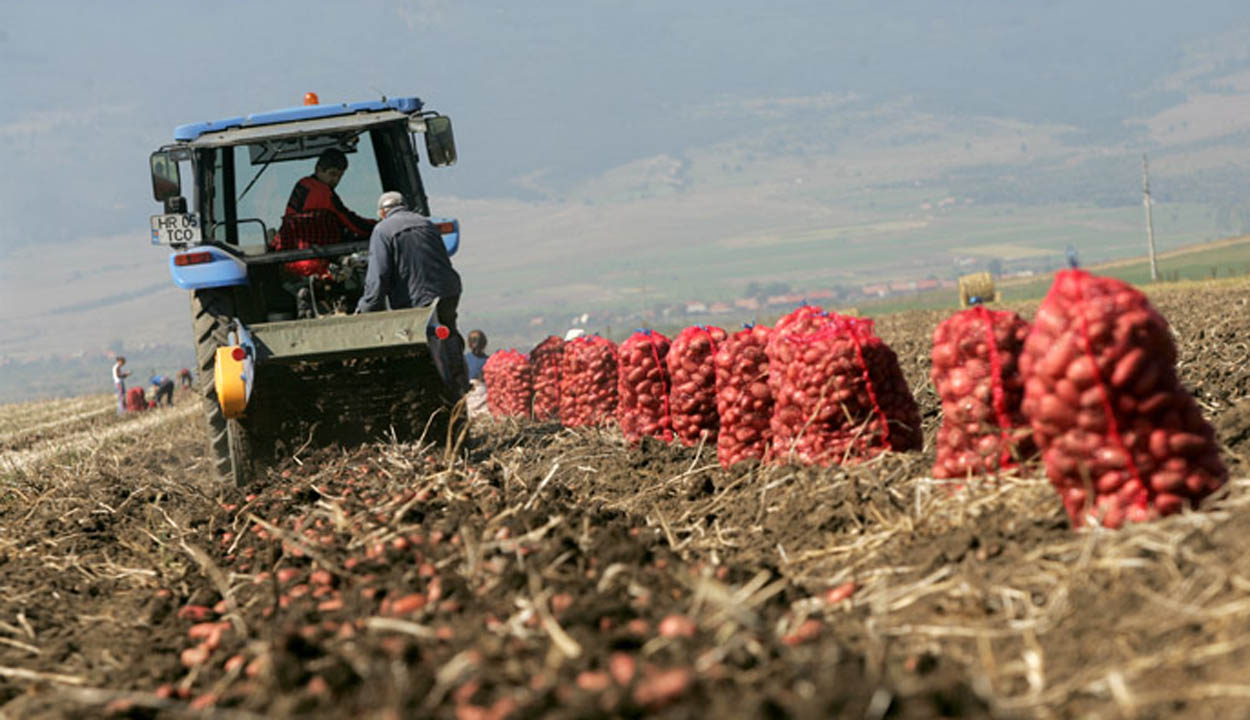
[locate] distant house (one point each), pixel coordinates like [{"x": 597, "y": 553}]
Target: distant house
[
  {"x": 928, "y": 284},
  {"x": 902, "y": 286},
  {"x": 719, "y": 307},
  {"x": 747, "y": 303},
  {"x": 876, "y": 290},
  {"x": 821, "y": 295},
  {"x": 785, "y": 299},
  {"x": 696, "y": 307}
]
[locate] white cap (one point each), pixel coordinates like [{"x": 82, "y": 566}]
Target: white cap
[
  {"x": 390, "y": 199},
  {"x": 574, "y": 333}
]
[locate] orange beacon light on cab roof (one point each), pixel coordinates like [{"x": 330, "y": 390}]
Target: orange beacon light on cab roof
[{"x": 310, "y": 98}]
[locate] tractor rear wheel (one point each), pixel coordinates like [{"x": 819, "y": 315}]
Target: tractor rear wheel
[{"x": 229, "y": 449}]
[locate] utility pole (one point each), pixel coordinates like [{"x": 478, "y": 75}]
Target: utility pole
[{"x": 1150, "y": 225}]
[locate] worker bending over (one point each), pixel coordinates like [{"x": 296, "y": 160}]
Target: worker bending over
[{"x": 409, "y": 267}]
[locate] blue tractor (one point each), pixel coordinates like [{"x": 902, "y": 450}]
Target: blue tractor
[{"x": 283, "y": 362}]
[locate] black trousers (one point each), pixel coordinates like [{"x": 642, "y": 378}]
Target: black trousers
[
  {"x": 448, "y": 354},
  {"x": 165, "y": 390}
]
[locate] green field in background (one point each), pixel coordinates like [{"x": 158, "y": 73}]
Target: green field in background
[{"x": 1206, "y": 264}]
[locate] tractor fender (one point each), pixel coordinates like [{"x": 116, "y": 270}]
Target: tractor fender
[
  {"x": 449, "y": 228},
  {"x": 205, "y": 266}
]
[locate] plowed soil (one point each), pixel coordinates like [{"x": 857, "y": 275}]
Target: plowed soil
[{"x": 525, "y": 570}]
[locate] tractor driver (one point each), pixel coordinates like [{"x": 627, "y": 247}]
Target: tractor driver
[
  {"x": 316, "y": 192},
  {"x": 316, "y": 216}
]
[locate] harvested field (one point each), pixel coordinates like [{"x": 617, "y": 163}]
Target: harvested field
[{"x": 529, "y": 570}]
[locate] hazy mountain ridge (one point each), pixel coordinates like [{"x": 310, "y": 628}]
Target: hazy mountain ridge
[{"x": 575, "y": 89}]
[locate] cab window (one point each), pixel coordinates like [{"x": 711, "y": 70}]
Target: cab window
[{"x": 261, "y": 182}]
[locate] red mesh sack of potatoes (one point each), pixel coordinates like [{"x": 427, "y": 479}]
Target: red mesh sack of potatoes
[
  {"x": 643, "y": 386},
  {"x": 839, "y": 394},
  {"x": 546, "y": 358},
  {"x": 509, "y": 382},
  {"x": 692, "y": 367},
  {"x": 1122, "y": 440},
  {"x": 976, "y": 372},
  {"x": 588, "y": 382},
  {"x": 744, "y": 402}
]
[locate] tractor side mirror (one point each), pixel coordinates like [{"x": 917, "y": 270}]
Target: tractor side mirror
[
  {"x": 166, "y": 180},
  {"x": 440, "y": 144}
]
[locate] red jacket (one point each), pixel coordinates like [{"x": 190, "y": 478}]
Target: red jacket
[{"x": 316, "y": 216}]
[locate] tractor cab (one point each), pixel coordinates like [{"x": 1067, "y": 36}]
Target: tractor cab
[{"x": 242, "y": 172}]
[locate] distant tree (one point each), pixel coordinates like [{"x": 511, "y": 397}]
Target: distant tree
[
  {"x": 995, "y": 267},
  {"x": 775, "y": 288}
]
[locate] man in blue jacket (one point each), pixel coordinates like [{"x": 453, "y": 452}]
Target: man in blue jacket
[{"x": 409, "y": 267}]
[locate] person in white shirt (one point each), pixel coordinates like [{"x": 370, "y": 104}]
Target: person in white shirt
[{"x": 119, "y": 382}]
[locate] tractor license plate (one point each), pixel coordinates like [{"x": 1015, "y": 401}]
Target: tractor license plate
[{"x": 176, "y": 229}]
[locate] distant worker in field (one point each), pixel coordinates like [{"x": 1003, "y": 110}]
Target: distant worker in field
[
  {"x": 184, "y": 378},
  {"x": 316, "y": 216},
  {"x": 136, "y": 401},
  {"x": 164, "y": 389},
  {"x": 119, "y": 383},
  {"x": 409, "y": 267},
  {"x": 475, "y": 360},
  {"x": 476, "y": 357}
]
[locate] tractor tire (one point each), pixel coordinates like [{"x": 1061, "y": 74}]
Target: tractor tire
[{"x": 229, "y": 449}]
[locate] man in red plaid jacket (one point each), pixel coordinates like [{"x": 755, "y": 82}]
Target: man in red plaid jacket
[{"x": 316, "y": 216}]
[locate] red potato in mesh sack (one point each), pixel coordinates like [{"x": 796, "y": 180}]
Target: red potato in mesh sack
[
  {"x": 546, "y": 359},
  {"x": 977, "y": 376},
  {"x": 588, "y": 382},
  {"x": 642, "y": 387},
  {"x": 1122, "y": 440},
  {"x": 692, "y": 398},
  {"x": 839, "y": 394},
  {"x": 509, "y": 382},
  {"x": 744, "y": 401}
]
